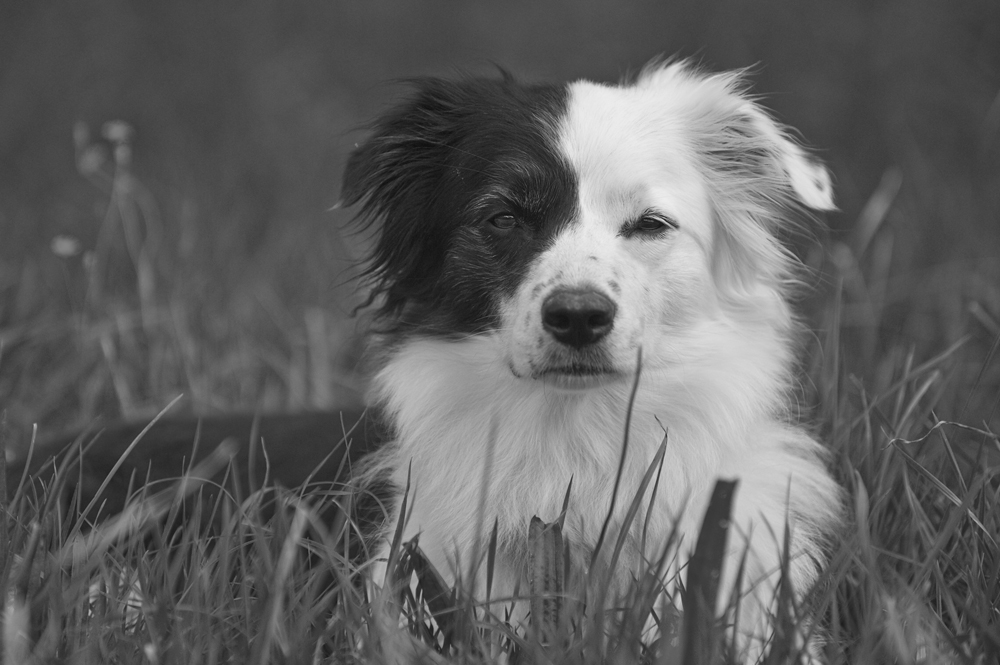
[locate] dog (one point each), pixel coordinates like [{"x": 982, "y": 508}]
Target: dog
[{"x": 542, "y": 251}]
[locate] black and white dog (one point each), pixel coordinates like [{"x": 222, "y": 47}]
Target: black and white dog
[
  {"x": 532, "y": 240},
  {"x": 539, "y": 249}
]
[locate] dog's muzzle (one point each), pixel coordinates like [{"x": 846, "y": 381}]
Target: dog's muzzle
[{"x": 578, "y": 317}]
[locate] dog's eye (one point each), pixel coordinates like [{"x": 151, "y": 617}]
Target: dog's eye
[
  {"x": 650, "y": 224},
  {"x": 504, "y": 221}
]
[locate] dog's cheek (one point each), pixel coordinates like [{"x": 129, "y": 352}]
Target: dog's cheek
[
  {"x": 473, "y": 284},
  {"x": 627, "y": 282},
  {"x": 521, "y": 320},
  {"x": 515, "y": 333},
  {"x": 682, "y": 291}
]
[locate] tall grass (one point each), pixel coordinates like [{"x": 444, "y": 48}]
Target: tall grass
[
  {"x": 151, "y": 310},
  {"x": 266, "y": 576}
]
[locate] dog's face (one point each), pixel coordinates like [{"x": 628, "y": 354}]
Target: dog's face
[{"x": 579, "y": 223}]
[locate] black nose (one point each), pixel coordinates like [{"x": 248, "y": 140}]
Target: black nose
[{"x": 578, "y": 317}]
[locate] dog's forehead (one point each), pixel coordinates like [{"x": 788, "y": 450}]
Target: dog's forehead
[{"x": 624, "y": 147}]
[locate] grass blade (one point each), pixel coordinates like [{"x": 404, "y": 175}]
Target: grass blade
[{"x": 701, "y": 637}]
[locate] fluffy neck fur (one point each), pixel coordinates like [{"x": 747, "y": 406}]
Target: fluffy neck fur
[{"x": 469, "y": 433}]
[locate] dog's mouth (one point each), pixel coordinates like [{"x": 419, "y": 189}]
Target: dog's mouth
[{"x": 577, "y": 376}]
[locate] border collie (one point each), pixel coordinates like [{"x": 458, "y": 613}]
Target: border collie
[{"x": 535, "y": 242}]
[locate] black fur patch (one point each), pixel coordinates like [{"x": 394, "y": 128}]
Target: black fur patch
[{"x": 469, "y": 187}]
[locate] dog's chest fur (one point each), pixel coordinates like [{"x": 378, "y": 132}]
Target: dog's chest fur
[{"x": 475, "y": 447}]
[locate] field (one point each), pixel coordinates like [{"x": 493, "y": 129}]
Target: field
[
  {"x": 129, "y": 280},
  {"x": 915, "y": 578}
]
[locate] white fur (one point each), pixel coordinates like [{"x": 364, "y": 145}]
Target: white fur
[{"x": 707, "y": 305}]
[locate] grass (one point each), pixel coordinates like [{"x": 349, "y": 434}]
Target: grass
[{"x": 262, "y": 576}]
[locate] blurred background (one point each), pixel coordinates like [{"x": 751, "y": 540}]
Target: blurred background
[{"x": 167, "y": 171}]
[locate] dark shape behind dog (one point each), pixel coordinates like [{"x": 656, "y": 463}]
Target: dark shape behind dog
[{"x": 285, "y": 450}]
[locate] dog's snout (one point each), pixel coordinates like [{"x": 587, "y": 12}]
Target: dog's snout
[{"x": 578, "y": 317}]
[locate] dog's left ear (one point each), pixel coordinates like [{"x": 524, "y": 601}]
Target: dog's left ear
[
  {"x": 750, "y": 157},
  {"x": 755, "y": 172},
  {"x": 808, "y": 178}
]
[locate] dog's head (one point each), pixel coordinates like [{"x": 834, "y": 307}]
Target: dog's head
[{"x": 577, "y": 223}]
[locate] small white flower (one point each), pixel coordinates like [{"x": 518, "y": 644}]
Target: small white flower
[
  {"x": 117, "y": 131},
  {"x": 65, "y": 246}
]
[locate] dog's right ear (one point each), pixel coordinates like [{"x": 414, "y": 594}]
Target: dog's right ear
[
  {"x": 399, "y": 163},
  {"x": 394, "y": 176}
]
